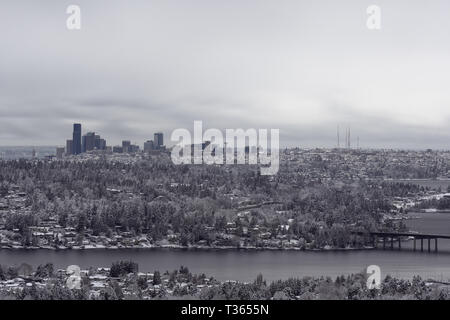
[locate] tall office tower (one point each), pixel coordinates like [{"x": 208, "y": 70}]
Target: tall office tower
[
  {"x": 83, "y": 143},
  {"x": 158, "y": 140},
  {"x": 100, "y": 144},
  {"x": 133, "y": 148},
  {"x": 89, "y": 141},
  {"x": 148, "y": 146},
  {"x": 59, "y": 152},
  {"x": 126, "y": 146},
  {"x": 97, "y": 142},
  {"x": 76, "y": 138},
  {"x": 117, "y": 149},
  {"x": 69, "y": 147}
]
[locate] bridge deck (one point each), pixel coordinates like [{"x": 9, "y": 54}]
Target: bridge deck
[{"x": 407, "y": 234}]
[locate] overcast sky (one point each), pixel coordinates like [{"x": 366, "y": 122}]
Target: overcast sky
[{"x": 137, "y": 67}]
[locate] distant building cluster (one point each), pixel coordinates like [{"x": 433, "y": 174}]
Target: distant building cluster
[{"x": 94, "y": 142}]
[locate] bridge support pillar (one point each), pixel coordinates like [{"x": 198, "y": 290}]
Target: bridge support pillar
[{"x": 375, "y": 238}]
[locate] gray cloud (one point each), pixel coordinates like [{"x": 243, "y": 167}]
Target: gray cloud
[{"x": 301, "y": 66}]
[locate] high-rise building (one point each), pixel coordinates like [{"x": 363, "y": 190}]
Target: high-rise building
[
  {"x": 59, "y": 152},
  {"x": 69, "y": 147},
  {"x": 117, "y": 149},
  {"x": 100, "y": 144},
  {"x": 133, "y": 148},
  {"x": 158, "y": 140},
  {"x": 148, "y": 146},
  {"x": 76, "y": 138},
  {"x": 83, "y": 143},
  {"x": 92, "y": 141},
  {"x": 126, "y": 146},
  {"x": 89, "y": 141}
]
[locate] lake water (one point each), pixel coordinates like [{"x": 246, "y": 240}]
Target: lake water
[{"x": 245, "y": 265}]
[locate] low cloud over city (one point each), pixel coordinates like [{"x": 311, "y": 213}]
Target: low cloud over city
[{"x": 303, "y": 67}]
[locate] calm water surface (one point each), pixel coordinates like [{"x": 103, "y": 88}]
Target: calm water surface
[{"x": 245, "y": 265}]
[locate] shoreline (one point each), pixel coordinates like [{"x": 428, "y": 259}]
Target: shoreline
[{"x": 178, "y": 247}]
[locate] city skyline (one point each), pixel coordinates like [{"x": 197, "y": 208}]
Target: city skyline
[
  {"x": 90, "y": 141},
  {"x": 342, "y": 140}
]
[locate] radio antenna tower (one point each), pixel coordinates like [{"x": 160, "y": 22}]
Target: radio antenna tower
[
  {"x": 338, "y": 138},
  {"x": 349, "y": 139}
]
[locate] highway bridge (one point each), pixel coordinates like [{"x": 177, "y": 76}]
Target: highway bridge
[{"x": 390, "y": 238}]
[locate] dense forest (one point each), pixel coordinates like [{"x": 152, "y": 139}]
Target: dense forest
[{"x": 190, "y": 203}]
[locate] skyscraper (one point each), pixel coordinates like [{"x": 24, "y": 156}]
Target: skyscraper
[
  {"x": 69, "y": 147},
  {"x": 59, "y": 152},
  {"x": 76, "y": 138},
  {"x": 117, "y": 149},
  {"x": 126, "y": 146},
  {"x": 92, "y": 141},
  {"x": 100, "y": 144},
  {"x": 148, "y": 146},
  {"x": 89, "y": 141},
  {"x": 158, "y": 140},
  {"x": 83, "y": 143}
]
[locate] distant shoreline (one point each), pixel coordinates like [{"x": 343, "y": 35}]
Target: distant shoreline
[{"x": 178, "y": 247}]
